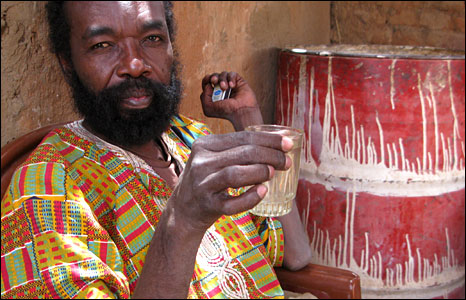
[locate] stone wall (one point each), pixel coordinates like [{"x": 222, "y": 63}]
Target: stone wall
[
  {"x": 212, "y": 37},
  {"x": 414, "y": 23}
]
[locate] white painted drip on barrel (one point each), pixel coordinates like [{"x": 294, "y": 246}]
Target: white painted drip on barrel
[
  {"x": 424, "y": 123},
  {"x": 392, "y": 84},
  {"x": 456, "y": 131},
  {"x": 380, "y": 138},
  {"x": 434, "y": 107}
]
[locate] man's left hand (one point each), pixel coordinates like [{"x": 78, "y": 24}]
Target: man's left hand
[{"x": 241, "y": 109}]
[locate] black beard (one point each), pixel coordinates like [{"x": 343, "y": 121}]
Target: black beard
[{"x": 127, "y": 127}]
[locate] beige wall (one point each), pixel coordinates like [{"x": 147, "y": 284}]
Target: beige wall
[
  {"x": 217, "y": 36},
  {"x": 212, "y": 36},
  {"x": 414, "y": 23},
  {"x": 33, "y": 91}
]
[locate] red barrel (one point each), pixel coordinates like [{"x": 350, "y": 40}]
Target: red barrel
[{"x": 382, "y": 182}]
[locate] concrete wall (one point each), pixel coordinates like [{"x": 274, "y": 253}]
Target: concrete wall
[
  {"x": 415, "y": 23},
  {"x": 216, "y": 36},
  {"x": 34, "y": 93},
  {"x": 212, "y": 37}
]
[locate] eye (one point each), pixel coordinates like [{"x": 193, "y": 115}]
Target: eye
[
  {"x": 154, "y": 38},
  {"x": 101, "y": 45}
]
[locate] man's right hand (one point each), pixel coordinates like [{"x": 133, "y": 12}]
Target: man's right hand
[
  {"x": 216, "y": 163},
  {"x": 219, "y": 162}
]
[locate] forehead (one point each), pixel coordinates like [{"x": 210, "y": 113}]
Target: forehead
[{"x": 85, "y": 14}]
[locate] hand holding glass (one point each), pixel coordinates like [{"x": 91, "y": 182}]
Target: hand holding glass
[{"x": 282, "y": 187}]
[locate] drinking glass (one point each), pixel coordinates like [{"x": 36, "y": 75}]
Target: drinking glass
[{"x": 282, "y": 187}]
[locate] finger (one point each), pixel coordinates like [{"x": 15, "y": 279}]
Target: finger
[
  {"x": 205, "y": 81},
  {"x": 252, "y": 154},
  {"x": 237, "y": 176},
  {"x": 246, "y": 201},
  {"x": 211, "y": 79},
  {"x": 222, "y": 142},
  {"x": 207, "y": 86},
  {"x": 207, "y": 91},
  {"x": 232, "y": 79},
  {"x": 223, "y": 80}
]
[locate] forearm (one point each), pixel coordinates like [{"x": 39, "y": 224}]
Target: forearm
[
  {"x": 246, "y": 117},
  {"x": 297, "y": 246},
  {"x": 169, "y": 263}
]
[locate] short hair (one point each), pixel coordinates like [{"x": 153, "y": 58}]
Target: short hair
[{"x": 59, "y": 29}]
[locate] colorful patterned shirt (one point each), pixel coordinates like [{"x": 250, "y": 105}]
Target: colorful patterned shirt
[{"x": 79, "y": 215}]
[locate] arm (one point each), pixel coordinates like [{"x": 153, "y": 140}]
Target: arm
[
  {"x": 297, "y": 245},
  {"x": 170, "y": 259},
  {"x": 217, "y": 162},
  {"x": 242, "y": 110}
]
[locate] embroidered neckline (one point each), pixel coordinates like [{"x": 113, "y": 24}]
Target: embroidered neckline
[{"x": 125, "y": 155}]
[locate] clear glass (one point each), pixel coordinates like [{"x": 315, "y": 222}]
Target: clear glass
[{"x": 282, "y": 187}]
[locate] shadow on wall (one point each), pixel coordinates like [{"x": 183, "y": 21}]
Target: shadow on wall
[{"x": 264, "y": 63}]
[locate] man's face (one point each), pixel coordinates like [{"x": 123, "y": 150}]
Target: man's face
[{"x": 122, "y": 67}]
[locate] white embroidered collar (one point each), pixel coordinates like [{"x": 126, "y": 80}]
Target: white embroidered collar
[{"x": 137, "y": 162}]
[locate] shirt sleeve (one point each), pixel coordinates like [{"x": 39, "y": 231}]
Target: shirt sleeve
[
  {"x": 52, "y": 244},
  {"x": 189, "y": 129},
  {"x": 271, "y": 233}
]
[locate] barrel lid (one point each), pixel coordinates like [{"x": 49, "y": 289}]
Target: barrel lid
[{"x": 377, "y": 51}]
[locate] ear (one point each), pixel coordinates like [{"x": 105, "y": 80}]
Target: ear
[{"x": 66, "y": 67}]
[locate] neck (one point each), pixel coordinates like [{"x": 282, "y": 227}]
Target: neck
[{"x": 149, "y": 150}]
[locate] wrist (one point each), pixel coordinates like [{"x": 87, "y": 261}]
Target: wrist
[
  {"x": 179, "y": 217},
  {"x": 245, "y": 117}
]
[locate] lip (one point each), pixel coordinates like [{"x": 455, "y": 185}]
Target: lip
[
  {"x": 136, "y": 98},
  {"x": 137, "y": 101}
]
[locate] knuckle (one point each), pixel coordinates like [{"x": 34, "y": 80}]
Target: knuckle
[
  {"x": 235, "y": 175},
  {"x": 199, "y": 143},
  {"x": 230, "y": 173},
  {"x": 249, "y": 153},
  {"x": 228, "y": 211},
  {"x": 247, "y": 136}
]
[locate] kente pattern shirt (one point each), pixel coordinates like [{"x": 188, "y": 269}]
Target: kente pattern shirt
[{"x": 79, "y": 215}]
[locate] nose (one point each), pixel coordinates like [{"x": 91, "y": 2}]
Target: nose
[{"x": 132, "y": 63}]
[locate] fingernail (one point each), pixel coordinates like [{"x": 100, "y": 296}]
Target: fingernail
[
  {"x": 288, "y": 162},
  {"x": 271, "y": 172},
  {"x": 287, "y": 143},
  {"x": 261, "y": 190}
]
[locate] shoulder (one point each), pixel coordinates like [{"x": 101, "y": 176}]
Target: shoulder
[{"x": 43, "y": 170}]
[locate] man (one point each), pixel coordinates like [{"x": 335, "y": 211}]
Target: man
[{"x": 137, "y": 200}]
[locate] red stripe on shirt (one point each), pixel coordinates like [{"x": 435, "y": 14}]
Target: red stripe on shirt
[
  {"x": 214, "y": 292},
  {"x": 67, "y": 150},
  {"x": 124, "y": 208},
  {"x": 103, "y": 252},
  {"x": 137, "y": 232},
  {"x": 27, "y": 264},
  {"x": 269, "y": 286},
  {"x": 5, "y": 278},
  {"x": 22, "y": 178},
  {"x": 256, "y": 265}
]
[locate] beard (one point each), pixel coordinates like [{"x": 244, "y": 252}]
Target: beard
[{"x": 105, "y": 115}]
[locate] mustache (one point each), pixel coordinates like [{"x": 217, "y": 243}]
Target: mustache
[{"x": 134, "y": 87}]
